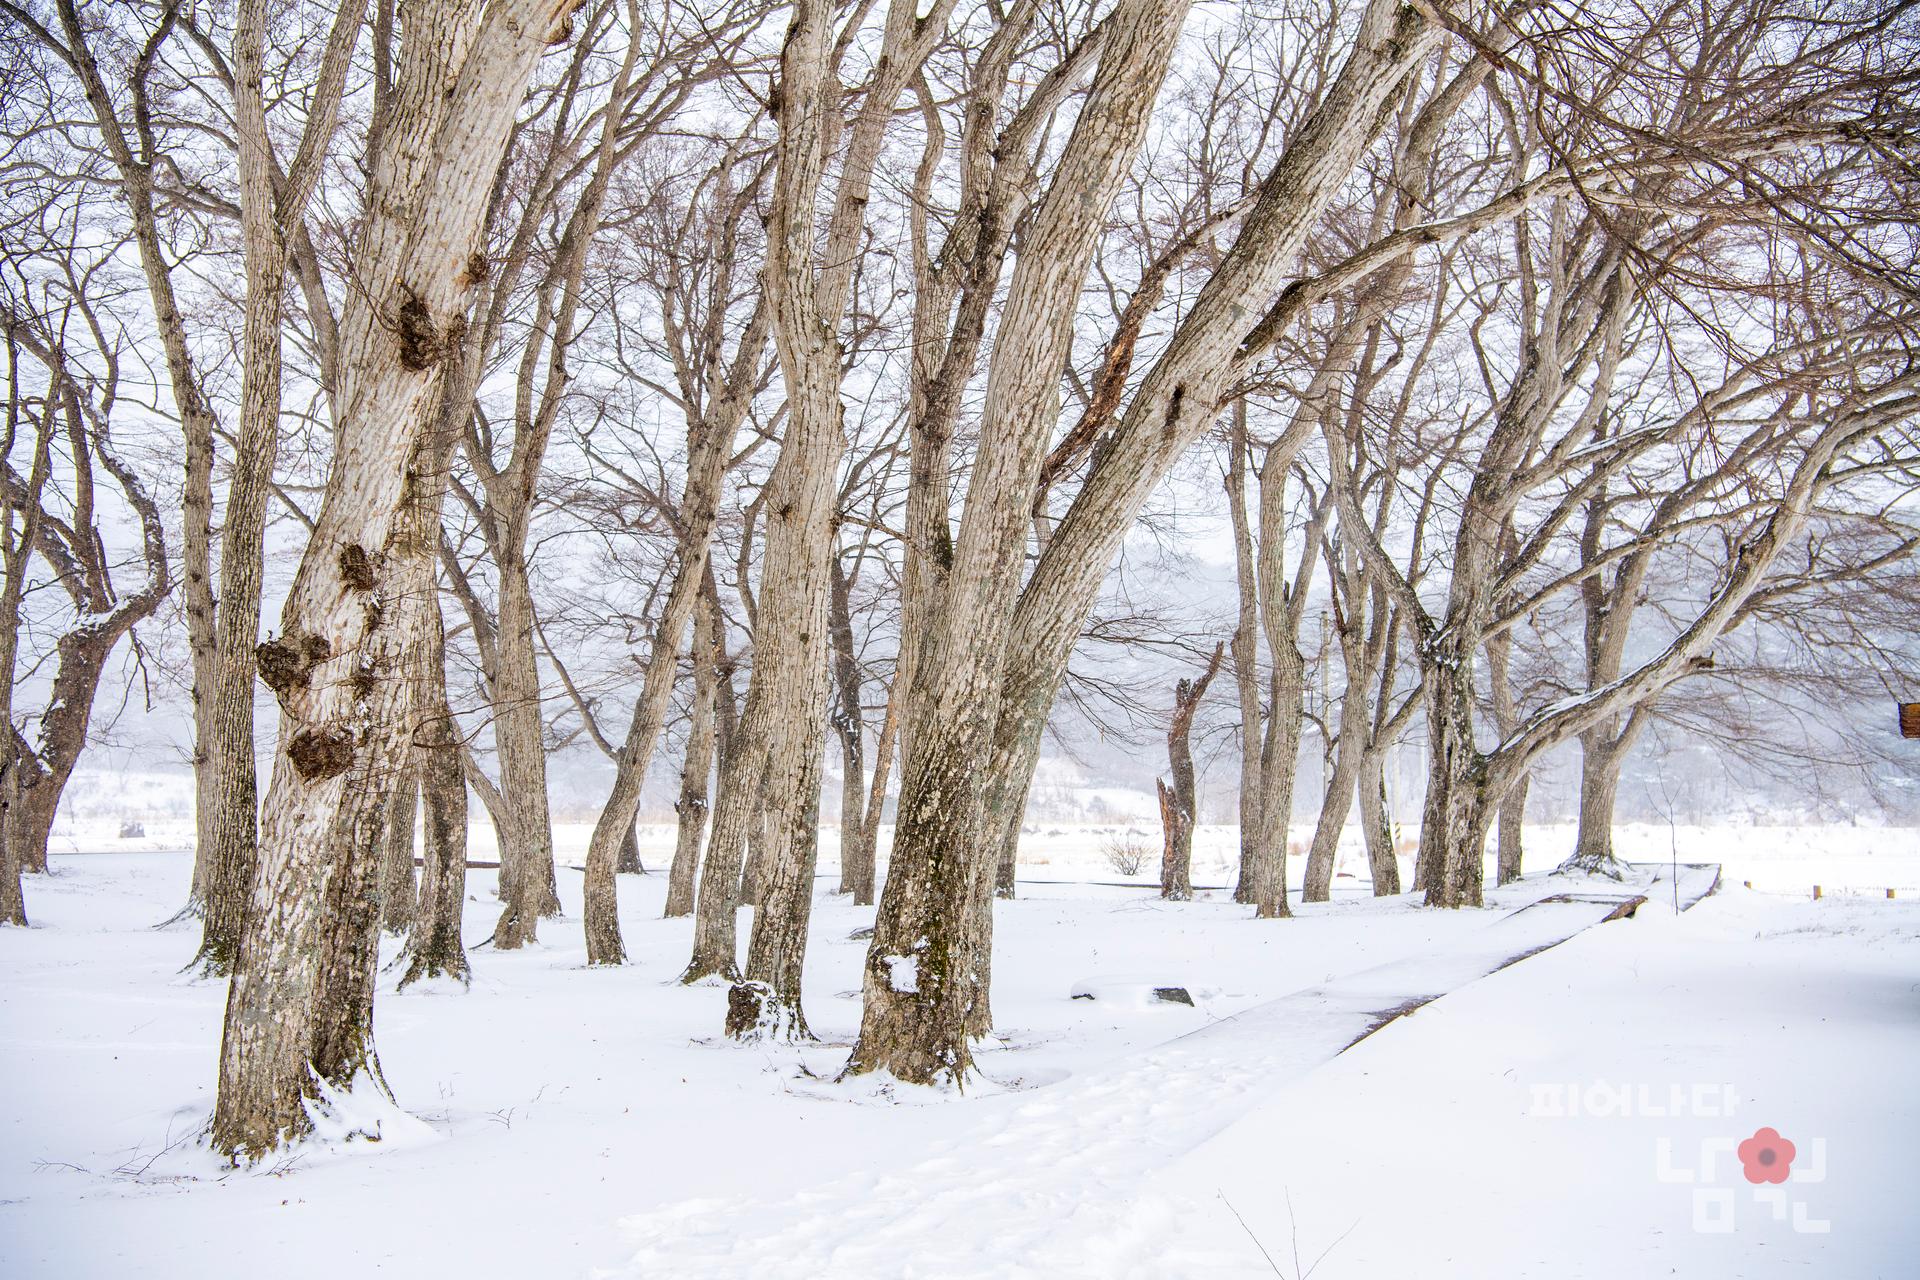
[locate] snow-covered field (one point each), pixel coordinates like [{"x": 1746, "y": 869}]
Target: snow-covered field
[
  {"x": 1783, "y": 859},
  {"x": 1573, "y": 1114}
]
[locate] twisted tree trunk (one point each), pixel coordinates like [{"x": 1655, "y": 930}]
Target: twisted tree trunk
[
  {"x": 70, "y": 541},
  {"x": 299, "y": 1005},
  {"x": 1184, "y": 391},
  {"x": 42, "y": 768}
]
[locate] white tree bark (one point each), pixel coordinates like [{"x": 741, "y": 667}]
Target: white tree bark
[
  {"x": 939, "y": 883},
  {"x": 353, "y": 617}
]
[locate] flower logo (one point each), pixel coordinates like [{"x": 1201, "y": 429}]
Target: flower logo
[{"x": 1766, "y": 1156}]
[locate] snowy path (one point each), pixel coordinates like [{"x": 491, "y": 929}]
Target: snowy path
[{"x": 1047, "y": 1189}]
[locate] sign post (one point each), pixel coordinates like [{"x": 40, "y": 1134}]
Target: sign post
[{"x": 1910, "y": 719}]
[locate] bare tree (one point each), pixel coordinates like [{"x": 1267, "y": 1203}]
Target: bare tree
[
  {"x": 137, "y": 155},
  {"x": 434, "y": 945},
  {"x": 716, "y": 389},
  {"x": 922, "y": 1035},
  {"x": 807, "y": 285},
  {"x": 300, "y": 1004},
  {"x": 703, "y": 735},
  {"x": 1654, "y": 221},
  {"x": 77, "y": 396},
  {"x": 1177, "y": 802},
  {"x": 16, "y": 545},
  {"x": 273, "y": 196}
]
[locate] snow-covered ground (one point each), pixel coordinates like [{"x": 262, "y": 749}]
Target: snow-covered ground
[
  {"x": 562, "y": 1121},
  {"x": 1580, "y": 1115},
  {"x": 1776, "y": 858}
]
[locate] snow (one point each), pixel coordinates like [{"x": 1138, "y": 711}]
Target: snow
[
  {"x": 362, "y": 1120},
  {"x": 903, "y": 974},
  {"x": 565, "y": 1121},
  {"x": 1452, "y": 1148}
]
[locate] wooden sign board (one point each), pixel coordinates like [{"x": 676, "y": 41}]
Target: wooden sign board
[{"x": 1910, "y": 719}]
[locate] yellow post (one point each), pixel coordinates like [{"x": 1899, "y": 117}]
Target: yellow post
[{"x": 1816, "y": 893}]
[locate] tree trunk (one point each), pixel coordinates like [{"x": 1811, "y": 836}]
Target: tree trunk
[
  {"x": 1453, "y": 828},
  {"x": 1599, "y": 786},
  {"x": 849, "y": 728},
  {"x": 300, "y": 1004},
  {"x": 923, "y": 977},
  {"x": 1338, "y": 801},
  {"x": 1376, "y": 823},
  {"x": 1506, "y": 719},
  {"x": 16, "y": 549},
  {"x": 229, "y": 746},
  {"x": 399, "y": 892},
  {"x": 859, "y": 865},
  {"x": 298, "y": 1007},
  {"x": 602, "y": 923},
  {"x": 807, "y": 283},
  {"x": 529, "y": 889},
  {"x": 715, "y": 942},
  {"x": 1280, "y": 611},
  {"x": 196, "y": 554},
  {"x": 136, "y": 179},
  {"x": 1279, "y": 757},
  {"x": 13, "y": 902},
  {"x": 767, "y": 1003},
  {"x": 759, "y": 842},
  {"x": 31, "y": 806},
  {"x": 434, "y": 946},
  {"x": 789, "y": 688},
  {"x": 1176, "y": 884},
  {"x": 1246, "y": 652},
  {"x": 196, "y": 538},
  {"x": 1178, "y": 802},
  {"x": 1513, "y": 816},
  {"x": 526, "y": 860},
  {"x": 1176, "y": 400},
  {"x": 39, "y": 778},
  {"x": 694, "y": 597},
  {"x": 697, "y": 769},
  {"x": 41, "y": 774},
  {"x": 1007, "y": 863},
  {"x": 629, "y": 863},
  {"x": 39, "y": 768}
]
